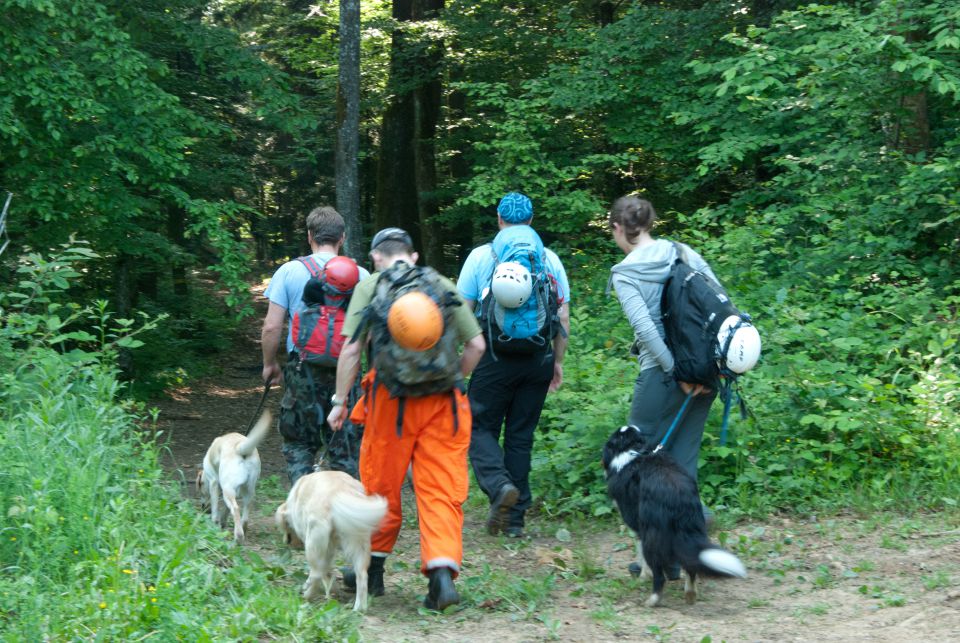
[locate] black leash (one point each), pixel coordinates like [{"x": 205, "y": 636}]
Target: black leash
[
  {"x": 329, "y": 443},
  {"x": 256, "y": 414}
]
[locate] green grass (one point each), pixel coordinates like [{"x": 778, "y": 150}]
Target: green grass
[
  {"x": 95, "y": 543},
  {"x": 937, "y": 580}
]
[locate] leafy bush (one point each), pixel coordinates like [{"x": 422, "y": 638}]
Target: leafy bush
[
  {"x": 853, "y": 404},
  {"x": 95, "y": 543},
  {"x": 812, "y": 158}
]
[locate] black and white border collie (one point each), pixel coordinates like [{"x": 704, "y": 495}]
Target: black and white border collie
[{"x": 660, "y": 502}]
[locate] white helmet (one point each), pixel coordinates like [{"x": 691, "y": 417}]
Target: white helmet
[
  {"x": 744, "y": 349},
  {"x": 512, "y": 284}
]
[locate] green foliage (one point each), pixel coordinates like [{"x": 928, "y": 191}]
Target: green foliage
[
  {"x": 813, "y": 161},
  {"x": 843, "y": 253},
  {"x": 840, "y": 416},
  {"x": 810, "y": 154},
  {"x": 579, "y": 417},
  {"x": 38, "y": 313},
  {"x": 94, "y": 542},
  {"x": 117, "y": 118}
]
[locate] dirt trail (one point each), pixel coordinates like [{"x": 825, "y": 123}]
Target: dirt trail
[{"x": 845, "y": 579}]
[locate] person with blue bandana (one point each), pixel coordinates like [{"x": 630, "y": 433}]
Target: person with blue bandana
[{"x": 508, "y": 388}]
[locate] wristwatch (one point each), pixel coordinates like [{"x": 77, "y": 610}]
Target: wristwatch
[{"x": 335, "y": 401}]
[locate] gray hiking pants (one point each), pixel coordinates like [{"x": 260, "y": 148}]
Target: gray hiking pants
[{"x": 656, "y": 400}]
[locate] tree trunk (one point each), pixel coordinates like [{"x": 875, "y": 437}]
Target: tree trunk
[
  {"x": 348, "y": 126},
  {"x": 427, "y": 99},
  {"x": 912, "y": 131},
  {"x": 462, "y": 234},
  {"x": 396, "y": 202},
  {"x": 176, "y": 232},
  {"x": 258, "y": 227},
  {"x": 606, "y": 12},
  {"x": 914, "y": 127}
]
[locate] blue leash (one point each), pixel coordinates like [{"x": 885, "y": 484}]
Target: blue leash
[
  {"x": 726, "y": 415},
  {"x": 676, "y": 421}
]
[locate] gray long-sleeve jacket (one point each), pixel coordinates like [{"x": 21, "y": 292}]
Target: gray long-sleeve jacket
[{"x": 638, "y": 281}]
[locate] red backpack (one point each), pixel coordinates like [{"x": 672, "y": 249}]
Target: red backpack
[{"x": 316, "y": 329}]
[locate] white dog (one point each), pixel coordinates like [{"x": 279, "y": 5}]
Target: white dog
[
  {"x": 231, "y": 468},
  {"x": 325, "y": 510}
]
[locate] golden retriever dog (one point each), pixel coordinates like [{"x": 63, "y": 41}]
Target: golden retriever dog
[
  {"x": 325, "y": 511},
  {"x": 231, "y": 468}
]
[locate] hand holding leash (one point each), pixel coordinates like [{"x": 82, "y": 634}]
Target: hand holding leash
[
  {"x": 693, "y": 389},
  {"x": 337, "y": 416},
  {"x": 272, "y": 374}
]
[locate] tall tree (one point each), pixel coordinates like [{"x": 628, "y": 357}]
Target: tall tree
[
  {"x": 427, "y": 97},
  {"x": 396, "y": 198},
  {"x": 348, "y": 125}
]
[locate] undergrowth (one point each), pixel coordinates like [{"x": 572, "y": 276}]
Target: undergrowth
[
  {"x": 95, "y": 543},
  {"x": 839, "y": 418}
]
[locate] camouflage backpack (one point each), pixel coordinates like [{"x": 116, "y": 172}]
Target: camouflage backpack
[{"x": 404, "y": 372}]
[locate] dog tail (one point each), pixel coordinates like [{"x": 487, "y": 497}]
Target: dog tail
[
  {"x": 719, "y": 562},
  {"x": 257, "y": 435},
  {"x": 356, "y": 513}
]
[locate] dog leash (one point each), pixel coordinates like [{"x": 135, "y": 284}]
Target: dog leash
[
  {"x": 329, "y": 443},
  {"x": 256, "y": 414},
  {"x": 676, "y": 421}
]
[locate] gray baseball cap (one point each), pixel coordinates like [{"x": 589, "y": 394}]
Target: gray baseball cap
[{"x": 390, "y": 234}]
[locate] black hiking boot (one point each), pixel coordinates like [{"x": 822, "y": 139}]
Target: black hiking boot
[
  {"x": 375, "y": 585},
  {"x": 441, "y": 593},
  {"x": 500, "y": 508}
]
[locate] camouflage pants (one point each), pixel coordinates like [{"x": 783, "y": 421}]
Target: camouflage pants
[{"x": 303, "y": 423}]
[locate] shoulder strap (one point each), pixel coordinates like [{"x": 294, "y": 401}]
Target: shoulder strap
[
  {"x": 311, "y": 264},
  {"x": 681, "y": 252}
]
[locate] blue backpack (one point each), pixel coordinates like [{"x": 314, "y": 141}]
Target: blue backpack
[{"x": 530, "y": 328}]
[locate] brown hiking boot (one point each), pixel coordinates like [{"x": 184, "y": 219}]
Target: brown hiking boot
[{"x": 500, "y": 507}]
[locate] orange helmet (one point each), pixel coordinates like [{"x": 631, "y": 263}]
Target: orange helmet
[{"x": 415, "y": 321}]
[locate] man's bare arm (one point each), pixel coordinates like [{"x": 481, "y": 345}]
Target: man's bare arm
[{"x": 270, "y": 343}]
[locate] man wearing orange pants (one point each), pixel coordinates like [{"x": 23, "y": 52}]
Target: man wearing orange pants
[{"x": 426, "y": 424}]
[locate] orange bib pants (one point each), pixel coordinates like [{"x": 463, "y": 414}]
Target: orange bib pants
[{"x": 433, "y": 435}]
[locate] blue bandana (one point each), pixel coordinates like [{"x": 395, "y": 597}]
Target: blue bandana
[{"x": 515, "y": 208}]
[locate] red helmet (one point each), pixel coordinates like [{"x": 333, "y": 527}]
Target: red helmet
[{"x": 341, "y": 274}]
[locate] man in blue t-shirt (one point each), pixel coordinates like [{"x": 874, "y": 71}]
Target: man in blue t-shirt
[
  {"x": 507, "y": 391},
  {"x": 307, "y": 388}
]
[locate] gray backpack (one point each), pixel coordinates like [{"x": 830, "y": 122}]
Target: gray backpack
[{"x": 404, "y": 372}]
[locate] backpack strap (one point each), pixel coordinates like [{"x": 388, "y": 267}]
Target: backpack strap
[
  {"x": 401, "y": 406},
  {"x": 312, "y": 266},
  {"x": 453, "y": 407},
  {"x": 493, "y": 271},
  {"x": 681, "y": 252},
  {"x": 726, "y": 392}
]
